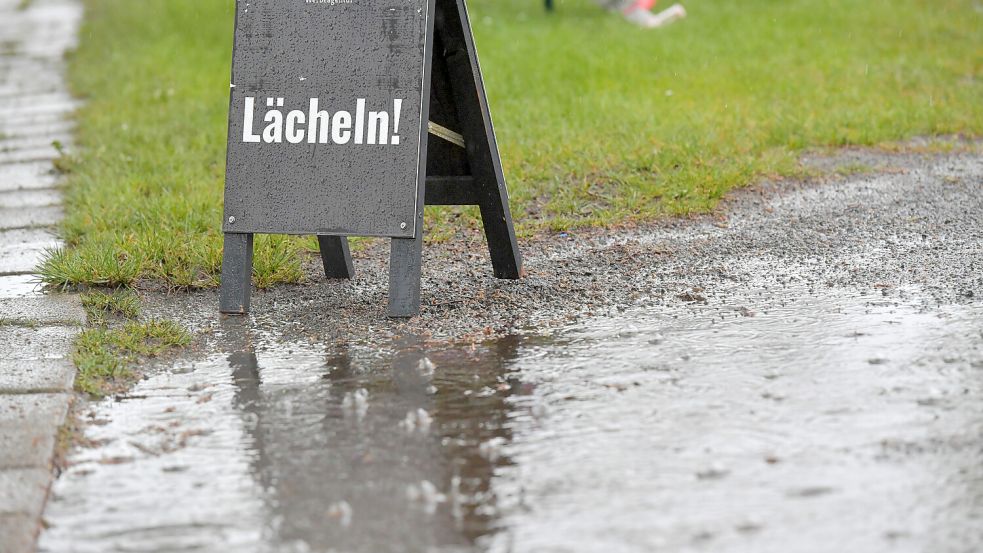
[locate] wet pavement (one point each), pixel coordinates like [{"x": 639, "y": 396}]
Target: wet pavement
[
  {"x": 824, "y": 421},
  {"x": 805, "y": 375}
]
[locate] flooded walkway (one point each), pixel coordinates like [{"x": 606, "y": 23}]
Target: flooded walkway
[
  {"x": 824, "y": 420},
  {"x": 801, "y": 394}
]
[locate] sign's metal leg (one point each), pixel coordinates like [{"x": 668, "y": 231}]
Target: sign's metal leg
[
  {"x": 479, "y": 137},
  {"x": 406, "y": 254},
  {"x": 502, "y": 245},
  {"x": 336, "y": 257},
  {"x": 405, "y": 267},
  {"x": 237, "y": 271}
]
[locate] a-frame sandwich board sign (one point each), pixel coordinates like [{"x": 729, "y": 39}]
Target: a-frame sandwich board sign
[{"x": 346, "y": 118}]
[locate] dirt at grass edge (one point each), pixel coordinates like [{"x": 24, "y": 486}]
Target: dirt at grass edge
[{"x": 569, "y": 275}]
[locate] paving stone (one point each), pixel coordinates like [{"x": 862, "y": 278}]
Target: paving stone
[
  {"x": 15, "y": 34},
  {"x": 27, "y": 423},
  {"x": 34, "y": 104},
  {"x": 30, "y": 198},
  {"x": 17, "y": 135},
  {"x": 40, "y": 153},
  {"x": 8, "y": 90},
  {"x": 29, "y": 376},
  {"x": 20, "y": 176},
  {"x": 15, "y": 120},
  {"x": 51, "y": 50},
  {"x": 34, "y": 217},
  {"x": 23, "y": 66},
  {"x": 41, "y": 84},
  {"x": 42, "y": 52},
  {"x": 23, "y": 491},
  {"x": 27, "y": 447},
  {"x": 61, "y": 108},
  {"x": 45, "y": 409},
  {"x": 11, "y": 143},
  {"x": 50, "y": 130},
  {"x": 49, "y": 309},
  {"x": 20, "y": 286},
  {"x": 35, "y": 76},
  {"x": 34, "y": 72},
  {"x": 53, "y": 97},
  {"x": 33, "y": 137},
  {"x": 27, "y": 343},
  {"x": 28, "y": 106},
  {"x": 18, "y": 533},
  {"x": 23, "y": 249},
  {"x": 36, "y": 359}
]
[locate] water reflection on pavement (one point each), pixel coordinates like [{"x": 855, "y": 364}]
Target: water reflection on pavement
[{"x": 816, "y": 421}]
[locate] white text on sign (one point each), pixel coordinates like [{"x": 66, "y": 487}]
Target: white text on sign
[{"x": 317, "y": 126}]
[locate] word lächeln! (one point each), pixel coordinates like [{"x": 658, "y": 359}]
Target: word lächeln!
[{"x": 317, "y": 126}]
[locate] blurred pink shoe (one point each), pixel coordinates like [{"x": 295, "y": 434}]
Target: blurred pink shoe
[{"x": 640, "y": 15}]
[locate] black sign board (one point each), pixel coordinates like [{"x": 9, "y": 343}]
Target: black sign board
[
  {"x": 325, "y": 122},
  {"x": 346, "y": 118}
]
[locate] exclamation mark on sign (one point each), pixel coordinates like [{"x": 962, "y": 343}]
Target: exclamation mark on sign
[{"x": 397, "y": 108}]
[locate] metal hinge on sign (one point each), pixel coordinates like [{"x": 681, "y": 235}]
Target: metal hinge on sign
[{"x": 445, "y": 133}]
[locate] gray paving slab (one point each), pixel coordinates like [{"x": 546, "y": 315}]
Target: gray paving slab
[
  {"x": 15, "y": 120},
  {"x": 16, "y": 64},
  {"x": 30, "y": 198},
  {"x": 62, "y": 108},
  {"x": 29, "y": 107},
  {"x": 42, "y": 52},
  {"x": 18, "y": 533},
  {"x": 53, "y": 97},
  {"x": 41, "y": 85},
  {"x": 29, "y": 154},
  {"x": 44, "y": 411},
  {"x": 10, "y": 90},
  {"x": 31, "y": 137},
  {"x": 30, "y": 343},
  {"x": 28, "y": 426},
  {"x": 27, "y": 447},
  {"x": 22, "y": 176},
  {"x": 36, "y": 359},
  {"x": 50, "y": 128},
  {"x": 11, "y": 143},
  {"x": 21, "y": 250},
  {"x": 36, "y": 329},
  {"x": 23, "y": 491},
  {"x": 29, "y": 376},
  {"x": 20, "y": 286},
  {"x": 33, "y": 217},
  {"x": 19, "y": 54},
  {"x": 49, "y": 309},
  {"x": 34, "y": 78},
  {"x": 45, "y": 50}
]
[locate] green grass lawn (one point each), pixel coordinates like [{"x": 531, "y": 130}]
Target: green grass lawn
[{"x": 599, "y": 123}]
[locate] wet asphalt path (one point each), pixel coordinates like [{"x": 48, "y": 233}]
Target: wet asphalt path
[{"x": 802, "y": 374}]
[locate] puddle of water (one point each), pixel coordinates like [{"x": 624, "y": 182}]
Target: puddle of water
[{"x": 820, "y": 422}]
